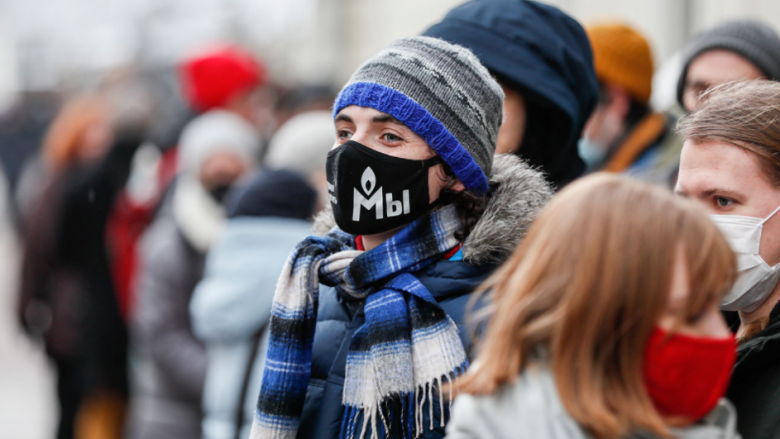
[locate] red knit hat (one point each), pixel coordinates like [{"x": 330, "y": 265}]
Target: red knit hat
[{"x": 211, "y": 78}]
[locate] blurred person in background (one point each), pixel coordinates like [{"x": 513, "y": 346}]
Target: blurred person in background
[
  {"x": 231, "y": 306},
  {"x": 67, "y": 292},
  {"x": 301, "y": 145},
  {"x": 624, "y": 134},
  {"x": 585, "y": 341},
  {"x": 215, "y": 150},
  {"x": 223, "y": 77},
  {"x": 22, "y": 128},
  {"x": 424, "y": 212},
  {"x": 731, "y": 164},
  {"x": 542, "y": 59},
  {"x": 300, "y": 99},
  {"x": 735, "y": 50}
]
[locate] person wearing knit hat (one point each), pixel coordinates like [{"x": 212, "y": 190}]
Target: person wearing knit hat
[
  {"x": 231, "y": 306},
  {"x": 623, "y": 134},
  {"x": 542, "y": 59},
  {"x": 301, "y": 145},
  {"x": 738, "y": 49},
  {"x": 368, "y": 315},
  {"x": 216, "y": 149},
  {"x": 220, "y": 77}
]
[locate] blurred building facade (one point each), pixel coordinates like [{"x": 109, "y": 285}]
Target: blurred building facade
[{"x": 50, "y": 42}]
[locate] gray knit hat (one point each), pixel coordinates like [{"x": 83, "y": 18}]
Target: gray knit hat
[
  {"x": 442, "y": 93},
  {"x": 754, "y": 40}
]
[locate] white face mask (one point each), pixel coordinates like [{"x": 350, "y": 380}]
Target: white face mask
[
  {"x": 591, "y": 152},
  {"x": 756, "y": 279}
]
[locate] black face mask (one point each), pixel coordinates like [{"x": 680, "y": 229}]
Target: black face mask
[
  {"x": 218, "y": 193},
  {"x": 373, "y": 192}
]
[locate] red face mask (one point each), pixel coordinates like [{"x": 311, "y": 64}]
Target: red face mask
[{"x": 686, "y": 376}]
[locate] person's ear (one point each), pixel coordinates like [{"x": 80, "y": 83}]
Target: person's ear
[{"x": 458, "y": 186}]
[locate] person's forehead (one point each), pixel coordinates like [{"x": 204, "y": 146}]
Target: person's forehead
[
  {"x": 719, "y": 66},
  {"x": 364, "y": 111},
  {"x": 709, "y": 165}
]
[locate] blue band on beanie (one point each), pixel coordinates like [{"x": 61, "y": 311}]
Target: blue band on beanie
[{"x": 419, "y": 120}]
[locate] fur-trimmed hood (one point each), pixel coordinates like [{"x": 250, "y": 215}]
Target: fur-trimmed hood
[{"x": 520, "y": 192}]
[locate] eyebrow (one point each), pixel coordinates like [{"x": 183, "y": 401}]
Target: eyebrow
[
  {"x": 699, "y": 84},
  {"x": 343, "y": 118},
  {"x": 384, "y": 118},
  {"x": 727, "y": 192}
]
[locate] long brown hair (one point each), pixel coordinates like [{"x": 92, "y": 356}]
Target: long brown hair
[
  {"x": 745, "y": 114},
  {"x": 65, "y": 136},
  {"x": 587, "y": 286}
]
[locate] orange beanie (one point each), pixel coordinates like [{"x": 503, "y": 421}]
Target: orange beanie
[{"x": 622, "y": 56}]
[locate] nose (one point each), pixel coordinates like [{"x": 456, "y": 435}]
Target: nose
[{"x": 360, "y": 136}]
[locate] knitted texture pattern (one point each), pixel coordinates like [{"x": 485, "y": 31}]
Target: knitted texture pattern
[
  {"x": 396, "y": 360},
  {"x": 622, "y": 56},
  {"x": 442, "y": 93},
  {"x": 751, "y": 39}
]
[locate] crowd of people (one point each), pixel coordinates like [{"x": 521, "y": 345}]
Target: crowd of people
[{"x": 488, "y": 232}]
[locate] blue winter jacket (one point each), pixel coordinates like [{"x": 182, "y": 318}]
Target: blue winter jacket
[
  {"x": 229, "y": 308},
  {"x": 339, "y": 316},
  {"x": 520, "y": 193}
]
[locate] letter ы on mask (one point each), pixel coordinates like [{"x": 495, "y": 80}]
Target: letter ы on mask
[{"x": 371, "y": 192}]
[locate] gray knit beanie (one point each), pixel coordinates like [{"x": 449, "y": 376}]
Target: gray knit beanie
[
  {"x": 754, "y": 40},
  {"x": 442, "y": 93}
]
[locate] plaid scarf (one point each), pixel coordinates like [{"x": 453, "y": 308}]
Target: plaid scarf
[{"x": 396, "y": 360}]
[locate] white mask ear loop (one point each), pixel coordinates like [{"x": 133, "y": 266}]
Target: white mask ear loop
[{"x": 770, "y": 216}]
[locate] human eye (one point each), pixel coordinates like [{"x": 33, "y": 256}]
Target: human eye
[
  {"x": 343, "y": 135},
  {"x": 390, "y": 137},
  {"x": 722, "y": 202}
]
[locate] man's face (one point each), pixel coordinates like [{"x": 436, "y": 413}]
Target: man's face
[
  {"x": 221, "y": 169},
  {"x": 713, "y": 68},
  {"x": 728, "y": 180},
  {"x": 510, "y": 135},
  {"x": 608, "y": 121},
  {"x": 384, "y": 133}
]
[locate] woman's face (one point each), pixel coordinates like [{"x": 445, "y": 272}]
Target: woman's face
[
  {"x": 708, "y": 323},
  {"x": 728, "y": 180},
  {"x": 386, "y": 134}
]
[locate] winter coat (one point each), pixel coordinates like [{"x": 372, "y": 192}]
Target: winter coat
[
  {"x": 544, "y": 55},
  {"x": 531, "y": 408},
  {"x": 520, "y": 193},
  {"x": 66, "y": 266},
  {"x": 171, "y": 361},
  {"x": 755, "y": 382},
  {"x": 649, "y": 151},
  {"x": 231, "y": 308}
]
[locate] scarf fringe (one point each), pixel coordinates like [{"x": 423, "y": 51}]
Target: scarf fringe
[{"x": 377, "y": 421}]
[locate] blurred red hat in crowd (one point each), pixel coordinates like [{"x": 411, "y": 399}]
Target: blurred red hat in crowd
[{"x": 212, "y": 77}]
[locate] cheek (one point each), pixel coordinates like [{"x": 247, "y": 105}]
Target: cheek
[
  {"x": 690, "y": 102},
  {"x": 510, "y": 135},
  {"x": 710, "y": 325},
  {"x": 436, "y": 182}
]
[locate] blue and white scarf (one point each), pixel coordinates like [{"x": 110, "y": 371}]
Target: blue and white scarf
[{"x": 396, "y": 360}]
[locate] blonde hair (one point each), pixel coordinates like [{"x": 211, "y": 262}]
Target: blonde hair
[
  {"x": 745, "y": 114},
  {"x": 65, "y": 137},
  {"x": 587, "y": 286}
]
